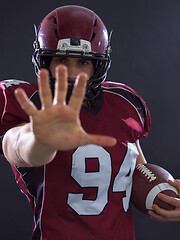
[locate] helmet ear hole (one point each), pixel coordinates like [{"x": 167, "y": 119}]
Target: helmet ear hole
[
  {"x": 45, "y": 62},
  {"x": 95, "y": 64}
]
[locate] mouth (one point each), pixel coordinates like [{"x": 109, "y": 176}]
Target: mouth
[{"x": 71, "y": 83}]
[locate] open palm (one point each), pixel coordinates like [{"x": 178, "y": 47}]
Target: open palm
[{"x": 57, "y": 124}]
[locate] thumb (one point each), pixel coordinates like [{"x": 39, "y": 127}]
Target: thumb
[{"x": 104, "y": 141}]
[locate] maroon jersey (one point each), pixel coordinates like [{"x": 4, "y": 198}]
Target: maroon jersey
[{"x": 84, "y": 194}]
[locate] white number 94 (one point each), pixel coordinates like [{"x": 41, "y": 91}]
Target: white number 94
[{"x": 100, "y": 179}]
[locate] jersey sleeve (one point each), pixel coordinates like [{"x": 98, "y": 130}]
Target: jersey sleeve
[
  {"x": 142, "y": 110},
  {"x": 11, "y": 113},
  {"x": 132, "y": 98}
]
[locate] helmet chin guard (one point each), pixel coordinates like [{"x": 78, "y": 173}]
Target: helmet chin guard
[{"x": 75, "y": 32}]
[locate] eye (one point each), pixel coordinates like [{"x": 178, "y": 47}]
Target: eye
[
  {"x": 60, "y": 60},
  {"x": 83, "y": 61}
]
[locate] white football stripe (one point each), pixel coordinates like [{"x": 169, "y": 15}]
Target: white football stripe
[{"x": 156, "y": 190}]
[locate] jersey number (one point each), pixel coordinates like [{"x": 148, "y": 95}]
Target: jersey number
[{"x": 100, "y": 179}]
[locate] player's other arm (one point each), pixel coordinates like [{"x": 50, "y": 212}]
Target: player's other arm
[
  {"x": 140, "y": 158},
  {"x": 158, "y": 213}
]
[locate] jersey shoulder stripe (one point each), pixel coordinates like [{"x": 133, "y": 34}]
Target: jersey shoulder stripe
[{"x": 129, "y": 95}]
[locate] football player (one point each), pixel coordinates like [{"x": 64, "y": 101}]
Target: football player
[{"x": 73, "y": 140}]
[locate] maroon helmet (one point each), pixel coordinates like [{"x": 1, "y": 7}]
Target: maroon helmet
[{"x": 73, "y": 31}]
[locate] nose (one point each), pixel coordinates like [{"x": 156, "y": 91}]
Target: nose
[{"x": 72, "y": 72}]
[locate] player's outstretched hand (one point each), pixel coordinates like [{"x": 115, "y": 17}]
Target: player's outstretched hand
[
  {"x": 57, "y": 124},
  {"x": 162, "y": 215}
]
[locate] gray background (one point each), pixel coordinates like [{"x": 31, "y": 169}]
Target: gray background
[{"x": 146, "y": 56}]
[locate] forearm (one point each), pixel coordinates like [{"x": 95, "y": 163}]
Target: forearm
[
  {"x": 140, "y": 159},
  {"x": 21, "y": 148}
]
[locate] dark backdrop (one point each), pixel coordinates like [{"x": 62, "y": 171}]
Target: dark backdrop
[{"x": 146, "y": 56}]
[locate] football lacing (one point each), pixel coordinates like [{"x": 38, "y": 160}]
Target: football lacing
[{"x": 145, "y": 171}]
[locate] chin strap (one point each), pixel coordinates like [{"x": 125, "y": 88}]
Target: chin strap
[{"x": 90, "y": 96}]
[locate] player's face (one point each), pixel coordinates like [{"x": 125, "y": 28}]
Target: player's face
[{"x": 74, "y": 66}]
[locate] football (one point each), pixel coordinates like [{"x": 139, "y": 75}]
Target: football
[{"x": 148, "y": 181}]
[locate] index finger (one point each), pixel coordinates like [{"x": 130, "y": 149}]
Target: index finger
[
  {"x": 170, "y": 200},
  {"x": 44, "y": 89}
]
